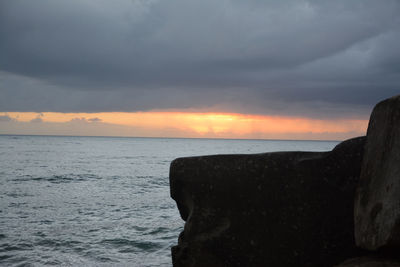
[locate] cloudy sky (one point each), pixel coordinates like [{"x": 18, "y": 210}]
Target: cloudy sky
[{"x": 324, "y": 62}]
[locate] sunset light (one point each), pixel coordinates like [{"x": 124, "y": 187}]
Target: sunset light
[{"x": 190, "y": 124}]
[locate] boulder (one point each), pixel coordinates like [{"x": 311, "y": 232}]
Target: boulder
[
  {"x": 272, "y": 209},
  {"x": 377, "y": 201},
  {"x": 370, "y": 262}
]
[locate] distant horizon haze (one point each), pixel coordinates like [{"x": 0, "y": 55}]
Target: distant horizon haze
[{"x": 180, "y": 125}]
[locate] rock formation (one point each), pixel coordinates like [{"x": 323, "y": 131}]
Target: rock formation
[
  {"x": 377, "y": 205},
  {"x": 295, "y": 208},
  {"x": 370, "y": 262},
  {"x": 273, "y": 209}
]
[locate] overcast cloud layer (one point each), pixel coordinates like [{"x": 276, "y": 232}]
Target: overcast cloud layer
[{"x": 309, "y": 58}]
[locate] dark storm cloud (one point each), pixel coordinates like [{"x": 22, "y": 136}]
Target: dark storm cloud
[{"x": 313, "y": 58}]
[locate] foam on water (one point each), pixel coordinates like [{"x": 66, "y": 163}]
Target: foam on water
[{"x": 99, "y": 201}]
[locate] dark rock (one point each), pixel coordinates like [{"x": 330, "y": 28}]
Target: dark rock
[
  {"x": 273, "y": 209},
  {"x": 370, "y": 262},
  {"x": 377, "y": 201}
]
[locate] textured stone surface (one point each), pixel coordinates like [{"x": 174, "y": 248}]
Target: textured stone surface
[
  {"x": 273, "y": 209},
  {"x": 377, "y": 202},
  {"x": 370, "y": 262}
]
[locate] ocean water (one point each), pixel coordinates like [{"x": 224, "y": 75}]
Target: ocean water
[{"x": 99, "y": 201}]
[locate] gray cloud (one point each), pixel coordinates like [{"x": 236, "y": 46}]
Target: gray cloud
[
  {"x": 36, "y": 120},
  {"x": 5, "y": 118},
  {"x": 78, "y": 120},
  {"x": 311, "y": 58},
  {"x": 94, "y": 120}
]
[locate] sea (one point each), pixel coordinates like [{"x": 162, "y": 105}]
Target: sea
[{"x": 100, "y": 201}]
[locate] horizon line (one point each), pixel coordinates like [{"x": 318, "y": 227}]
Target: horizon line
[{"x": 161, "y": 137}]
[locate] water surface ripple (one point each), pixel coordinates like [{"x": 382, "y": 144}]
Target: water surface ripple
[{"x": 94, "y": 201}]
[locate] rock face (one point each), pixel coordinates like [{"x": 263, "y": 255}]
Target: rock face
[
  {"x": 273, "y": 209},
  {"x": 370, "y": 262},
  {"x": 377, "y": 202}
]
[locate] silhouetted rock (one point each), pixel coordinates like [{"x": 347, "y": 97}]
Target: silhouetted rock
[
  {"x": 377, "y": 204},
  {"x": 370, "y": 262},
  {"x": 272, "y": 209}
]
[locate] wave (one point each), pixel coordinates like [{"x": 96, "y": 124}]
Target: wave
[
  {"x": 58, "y": 179},
  {"x": 128, "y": 246}
]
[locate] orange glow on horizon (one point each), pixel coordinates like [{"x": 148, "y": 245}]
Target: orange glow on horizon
[{"x": 191, "y": 124}]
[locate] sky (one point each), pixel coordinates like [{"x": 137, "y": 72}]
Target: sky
[{"x": 183, "y": 68}]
